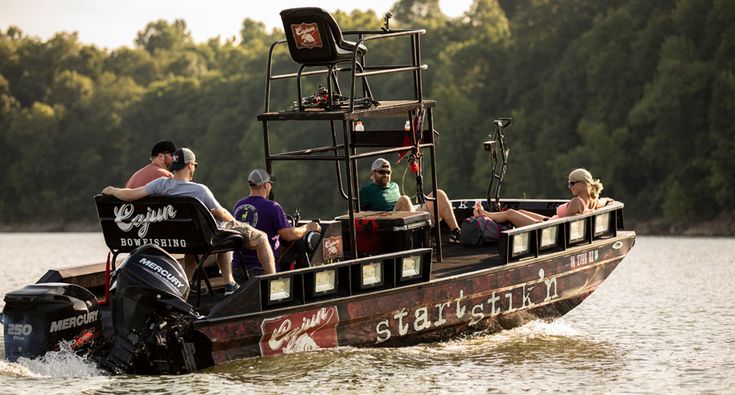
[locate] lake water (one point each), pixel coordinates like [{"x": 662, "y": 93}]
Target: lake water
[{"x": 662, "y": 323}]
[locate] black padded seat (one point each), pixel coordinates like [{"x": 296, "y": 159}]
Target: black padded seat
[
  {"x": 177, "y": 224},
  {"x": 314, "y": 38}
]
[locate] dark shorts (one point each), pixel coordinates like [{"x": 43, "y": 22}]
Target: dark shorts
[{"x": 241, "y": 276}]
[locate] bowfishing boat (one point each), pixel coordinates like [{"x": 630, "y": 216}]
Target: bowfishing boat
[{"x": 369, "y": 279}]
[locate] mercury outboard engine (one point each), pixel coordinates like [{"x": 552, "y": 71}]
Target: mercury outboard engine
[
  {"x": 39, "y": 317},
  {"x": 150, "y": 316}
]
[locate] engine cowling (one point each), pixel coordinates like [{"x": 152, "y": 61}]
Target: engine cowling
[
  {"x": 150, "y": 315},
  {"x": 39, "y": 317}
]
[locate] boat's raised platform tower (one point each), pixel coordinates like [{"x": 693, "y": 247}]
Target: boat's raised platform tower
[{"x": 315, "y": 41}]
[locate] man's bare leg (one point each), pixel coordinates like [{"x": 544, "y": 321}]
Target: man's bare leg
[
  {"x": 224, "y": 260},
  {"x": 265, "y": 255},
  {"x": 190, "y": 264},
  {"x": 445, "y": 210},
  {"x": 403, "y": 204}
]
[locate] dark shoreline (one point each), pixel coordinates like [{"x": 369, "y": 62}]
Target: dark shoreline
[{"x": 723, "y": 226}]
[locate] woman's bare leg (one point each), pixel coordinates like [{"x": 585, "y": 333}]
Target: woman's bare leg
[
  {"x": 533, "y": 215},
  {"x": 517, "y": 218}
]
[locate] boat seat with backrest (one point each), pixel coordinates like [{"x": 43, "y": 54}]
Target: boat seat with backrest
[
  {"x": 178, "y": 224},
  {"x": 315, "y": 39}
]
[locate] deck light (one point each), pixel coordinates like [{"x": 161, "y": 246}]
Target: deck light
[
  {"x": 372, "y": 274},
  {"x": 577, "y": 231},
  {"x": 549, "y": 237},
  {"x": 324, "y": 282},
  {"x": 602, "y": 224},
  {"x": 411, "y": 267},
  {"x": 520, "y": 244},
  {"x": 280, "y": 289}
]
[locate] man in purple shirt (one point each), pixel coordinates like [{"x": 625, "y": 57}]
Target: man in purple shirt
[{"x": 267, "y": 216}]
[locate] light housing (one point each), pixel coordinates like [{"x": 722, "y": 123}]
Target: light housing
[
  {"x": 325, "y": 282},
  {"x": 371, "y": 274},
  {"x": 280, "y": 289},
  {"x": 577, "y": 231},
  {"x": 520, "y": 244},
  {"x": 411, "y": 267},
  {"x": 602, "y": 224},
  {"x": 549, "y": 238}
]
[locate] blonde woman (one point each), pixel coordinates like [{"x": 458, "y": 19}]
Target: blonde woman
[{"x": 586, "y": 197}]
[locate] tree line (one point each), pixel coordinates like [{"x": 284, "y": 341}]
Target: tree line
[{"x": 639, "y": 92}]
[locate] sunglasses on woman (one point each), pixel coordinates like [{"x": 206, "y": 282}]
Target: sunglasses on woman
[{"x": 571, "y": 183}]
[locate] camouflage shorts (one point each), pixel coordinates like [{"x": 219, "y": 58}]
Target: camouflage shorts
[{"x": 251, "y": 235}]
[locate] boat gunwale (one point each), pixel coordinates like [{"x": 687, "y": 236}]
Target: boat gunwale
[{"x": 623, "y": 235}]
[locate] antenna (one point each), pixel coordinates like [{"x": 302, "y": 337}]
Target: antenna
[{"x": 386, "y": 20}]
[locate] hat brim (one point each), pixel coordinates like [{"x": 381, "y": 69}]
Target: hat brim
[{"x": 270, "y": 179}]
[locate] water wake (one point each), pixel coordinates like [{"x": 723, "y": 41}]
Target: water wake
[{"x": 62, "y": 363}]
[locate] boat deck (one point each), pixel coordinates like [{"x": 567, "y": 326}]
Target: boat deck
[{"x": 459, "y": 259}]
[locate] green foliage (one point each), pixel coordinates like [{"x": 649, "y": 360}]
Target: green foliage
[
  {"x": 639, "y": 92},
  {"x": 161, "y": 35}
]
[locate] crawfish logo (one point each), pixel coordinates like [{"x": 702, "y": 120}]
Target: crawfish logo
[
  {"x": 306, "y": 35},
  {"x": 306, "y": 331}
]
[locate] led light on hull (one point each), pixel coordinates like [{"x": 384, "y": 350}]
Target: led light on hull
[
  {"x": 520, "y": 244},
  {"x": 549, "y": 237},
  {"x": 411, "y": 267},
  {"x": 372, "y": 274},
  {"x": 602, "y": 224},
  {"x": 324, "y": 281},
  {"x": 577, "y": 231},
  {"x": 280, "y": 289}
]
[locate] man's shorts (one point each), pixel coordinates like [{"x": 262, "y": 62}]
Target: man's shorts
[{"x": 251, "y": 235}]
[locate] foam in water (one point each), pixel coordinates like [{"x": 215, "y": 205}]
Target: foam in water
[
  {"x": 62, "y": 363},
  {"x": 558, "y": 329}
]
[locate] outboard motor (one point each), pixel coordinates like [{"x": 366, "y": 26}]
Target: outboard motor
[
  {"x": 38, "y": 317},
  {"x": 150, "y": 316}
]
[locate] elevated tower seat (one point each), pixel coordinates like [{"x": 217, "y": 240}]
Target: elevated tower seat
[{"x": 178, "y": 224}]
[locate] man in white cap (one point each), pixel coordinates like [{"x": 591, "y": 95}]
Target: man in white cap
[
  {"x": 267, "y": 216},
  {"x": 384, "y": 195},
  {"x": 184, "y": 166}
]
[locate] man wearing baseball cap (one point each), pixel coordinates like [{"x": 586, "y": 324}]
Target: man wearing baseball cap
[
  {"x": 184, "y": 166},
  {"x": 161, "y": 156},
  {"x": 267, "y": 216},
  {"x": 384, "y": 195}
]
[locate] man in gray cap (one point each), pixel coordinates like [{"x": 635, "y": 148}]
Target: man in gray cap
[
  {"x": 161, "y": 157},
  {"x": 267, "y": 216},
  {"x": 384, "y": 195},
  {"x": 184, "y": 166}
]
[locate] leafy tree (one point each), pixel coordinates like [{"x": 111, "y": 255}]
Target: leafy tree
[
  {"x": 162, "y": 35},
  {"x": 639, "y": 92}
]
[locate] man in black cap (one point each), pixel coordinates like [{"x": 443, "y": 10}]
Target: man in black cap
[
  {"x": 184, "y": 165},
  {"x": 161, "y": 156},
  {"x": 266, "y": 216}
]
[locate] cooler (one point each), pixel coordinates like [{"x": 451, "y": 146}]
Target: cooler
[{"x": 380, "y": 232}]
